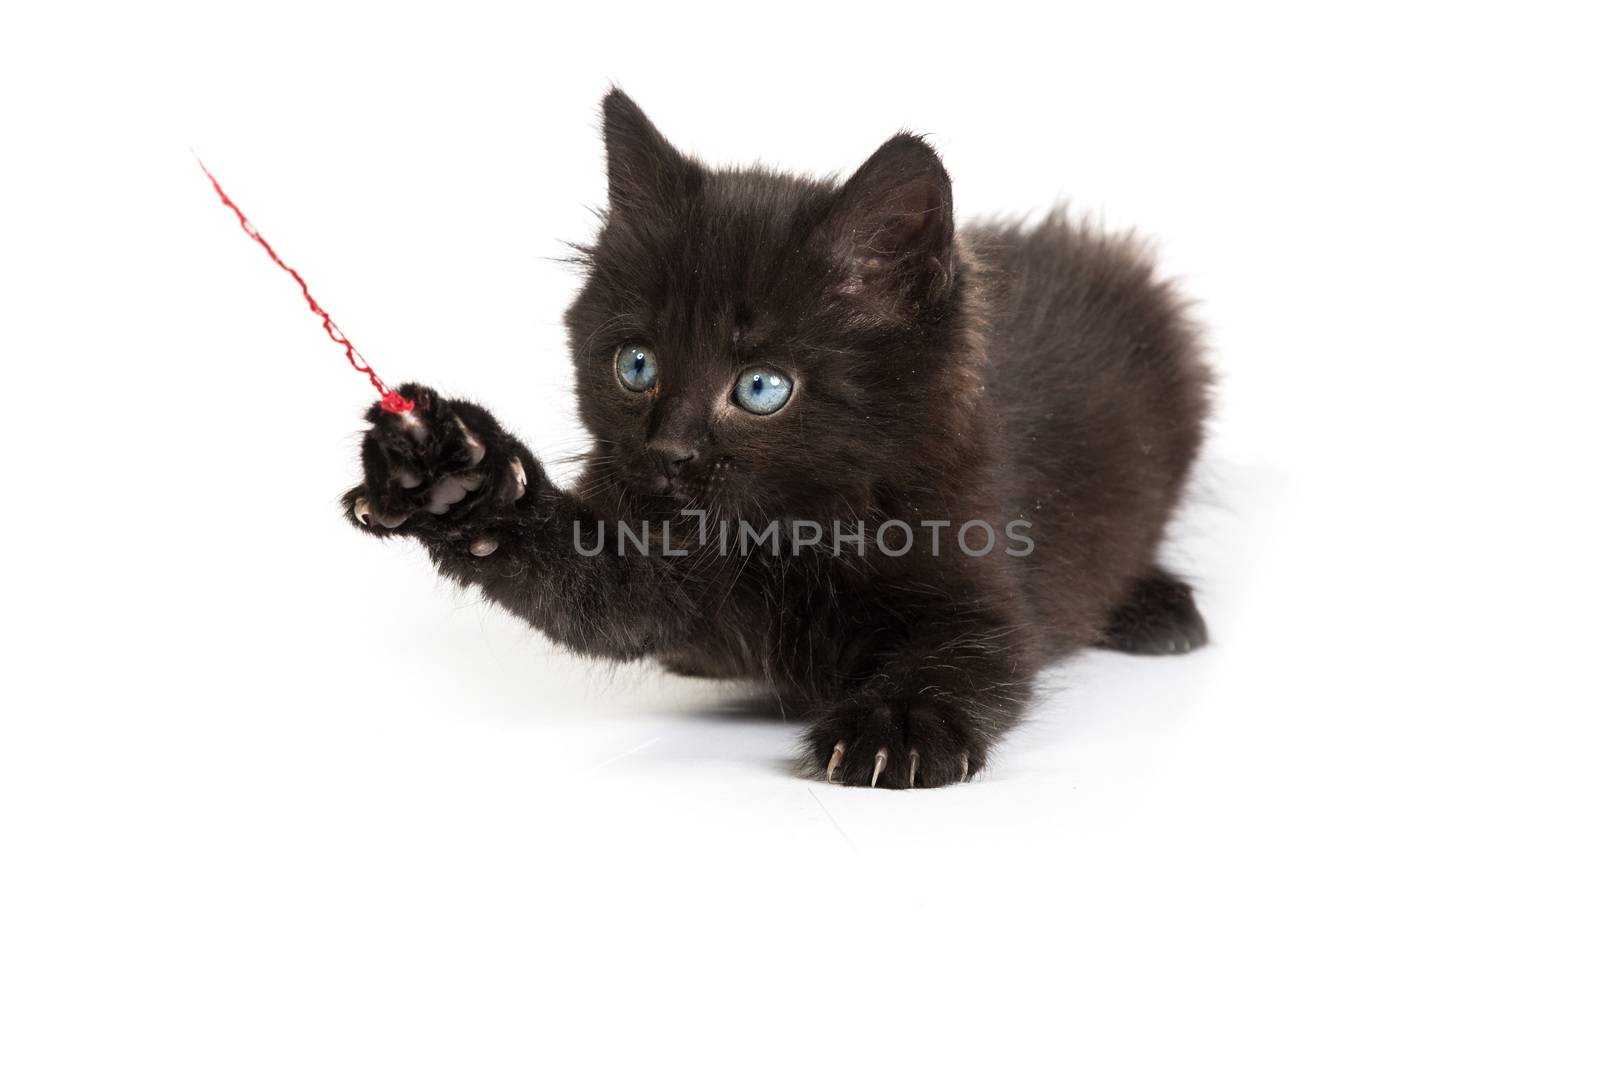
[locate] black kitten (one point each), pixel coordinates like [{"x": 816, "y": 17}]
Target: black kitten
[{"x": 886, "y": 468}]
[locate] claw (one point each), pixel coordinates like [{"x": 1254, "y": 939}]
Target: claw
[
  {"x": 963, "y": 766},
  {"x": 878, "y": 762},
  {"x": 362, "y": 511},
  {"x": 475, "y": 449},
  {"x": 414, "y": 426},
  {"x": 836, "y": 759},
  {"x": 911, "y": 779},
  {"x": 484, "y": 546},
  {"x": 521, "y": 477}
]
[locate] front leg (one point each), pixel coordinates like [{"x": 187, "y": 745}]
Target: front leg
[
  {"x": 927, "y": 715},
  {"x": 449, "y": 476}
]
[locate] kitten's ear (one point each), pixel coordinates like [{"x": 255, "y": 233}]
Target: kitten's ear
[
  {"x": 891, "y": 227},
  {"x": 642, "y": 169}
]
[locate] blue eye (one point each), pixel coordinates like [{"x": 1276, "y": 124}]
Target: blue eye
[
  {"x": 636, "y": 367},
  {"x": 762, "y": 391}
]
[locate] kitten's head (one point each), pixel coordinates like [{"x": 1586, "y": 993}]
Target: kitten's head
[{"x": 770, "y": 346}]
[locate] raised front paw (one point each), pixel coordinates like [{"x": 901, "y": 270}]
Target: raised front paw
[
  {"x": 895, "y": 746},
  {"x": 443, "y": 468}
]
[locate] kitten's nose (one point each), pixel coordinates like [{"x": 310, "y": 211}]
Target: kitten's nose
[{"x": 671, "y": 456}]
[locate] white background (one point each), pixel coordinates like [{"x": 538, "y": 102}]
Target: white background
[{"x": 271, "y": 793}]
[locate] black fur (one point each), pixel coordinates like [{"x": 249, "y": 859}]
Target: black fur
[{"x": 999, "y": 373}]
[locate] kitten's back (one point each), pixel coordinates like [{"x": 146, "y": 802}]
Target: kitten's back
[{"x": 1100, "y": 393}]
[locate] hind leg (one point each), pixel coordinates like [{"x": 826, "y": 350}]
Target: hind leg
[{"x": 1157, "y": 618}]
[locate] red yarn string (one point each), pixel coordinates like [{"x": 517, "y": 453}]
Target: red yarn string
[{"x": 392, "y": 401}]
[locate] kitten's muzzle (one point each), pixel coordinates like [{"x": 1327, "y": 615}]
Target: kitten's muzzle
[{"x": 671, "y": 459}]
